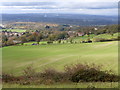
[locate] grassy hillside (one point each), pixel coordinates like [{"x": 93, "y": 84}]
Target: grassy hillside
[
  {"x": 16, "y": 58},
  {"x": 14, "y": 30},
  {"x": 92, "y": 36}
]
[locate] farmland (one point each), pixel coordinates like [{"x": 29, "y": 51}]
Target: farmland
[
  {"x": 57, "y": 55},
  {"x": 54, "y": 44},
  {"x": 14, "y": 30},
  {"x": 16, "y": 58}
]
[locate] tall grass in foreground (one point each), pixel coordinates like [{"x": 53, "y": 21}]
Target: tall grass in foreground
[{"x": 72, "y": 73}]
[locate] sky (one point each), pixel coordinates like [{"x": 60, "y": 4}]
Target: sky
[{"x": 92, "y": 7}]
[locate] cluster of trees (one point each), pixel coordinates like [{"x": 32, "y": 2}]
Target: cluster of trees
[
  {"x": 51, "y": 35},
  {"x": 34, "y": 36},
  {"x": 109, "y": 29}
]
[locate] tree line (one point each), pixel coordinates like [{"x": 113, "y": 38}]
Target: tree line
[{"x": 55, "y": 34}]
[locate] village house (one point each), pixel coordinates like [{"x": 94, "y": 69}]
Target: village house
[
  {"x": 16, "y": 41},
  {"x": 10, "y": 34},
  {"x": 71, "y": 33},
  {"x": 2, "y": 26},
  {"x": 80, "y": 34}
]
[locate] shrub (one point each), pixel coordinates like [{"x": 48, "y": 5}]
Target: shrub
[
  {"x": 99, "y": 39},
  {"x": 10, "y": 42},
  {"x": 71, "y": 41},
  {"x": 53, "y": 75},
  {"x": 86, "y": 41},
  {"x": 9, "y": 78},
  {"x": 29, "y": 71},
  {"x": 49, "y": 42},
  {"x": 89, "y": 41},
  {"x": 104, "y": 40},
  {"x": 118, "y": 37},
  {"x": 82, "y": 41},
  {"x": 73, "y": 73},
  {"x": 59, "y": 41},
  {"x": 89, "y": 73}
]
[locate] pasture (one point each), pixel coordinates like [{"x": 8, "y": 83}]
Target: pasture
[
  {"x": 92, "y": 36},
  {"x": 14, "y": 30},
  {"x": 16, "y": 58}
]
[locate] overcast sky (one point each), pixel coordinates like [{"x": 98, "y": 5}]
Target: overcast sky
[{"x": 94, "y": 7}]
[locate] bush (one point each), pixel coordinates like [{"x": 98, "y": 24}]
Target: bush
[
  {"x": 104, "y": 40},
  {"x": 86, "y": 41},
  {"x": 59, "y": 41},
  {"x": 98, "y": 39},
  {"x": 9, "y": 78},
  {"x": 10, "y": 42},
  {"x": 89, "y": 41},
  {"x": 89, "y": 73},
  {"x": 29, "y": 71},
  {"x": 49, "y": 42},
  {"x": 75, "y": 73},
  {"x": 52, "y": 74}
]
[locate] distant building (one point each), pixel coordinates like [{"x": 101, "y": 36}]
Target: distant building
[
  {"x": 80, "y": 34},
  {"x": 71, "y": 33},
  {"x": 2, "y": 26},
  {"x": 95, "y": 28},
  {"x": 16, "y": 41}
]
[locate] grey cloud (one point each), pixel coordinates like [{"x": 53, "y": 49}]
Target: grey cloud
[
  {"x": 62, "y": 5},
  {"x": 91, "y": 5},
  {"x": 27, "y": 3}
]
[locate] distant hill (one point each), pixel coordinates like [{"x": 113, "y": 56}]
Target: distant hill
[{"x": 73, "y": 19}]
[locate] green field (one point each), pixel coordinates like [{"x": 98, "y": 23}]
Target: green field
[
  {"x": 16, "y": 58},
  {"x": 92, "y": 36},
  {"x": 14, "y": 30}
]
